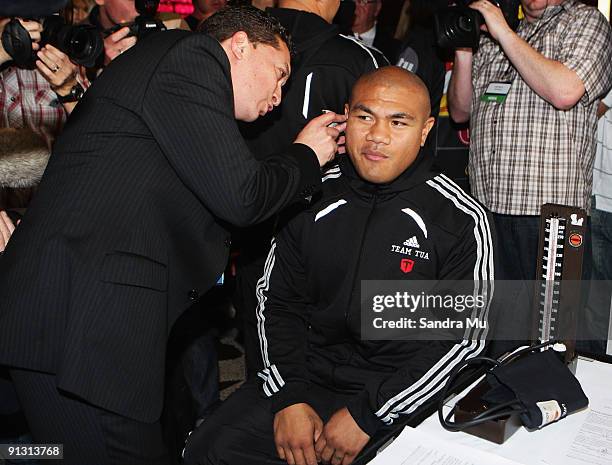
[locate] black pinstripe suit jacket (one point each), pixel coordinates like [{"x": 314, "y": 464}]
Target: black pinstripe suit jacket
[{"x": 127, "y": 227}]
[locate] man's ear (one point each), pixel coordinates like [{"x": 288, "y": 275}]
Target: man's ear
[
  {"x": 346, "y": 109},
  {"x": 239, "y": 44},
  {"x": 426, "y": 128}
]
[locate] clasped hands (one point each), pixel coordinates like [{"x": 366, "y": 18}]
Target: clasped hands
[{"x": 301, "y": 438}]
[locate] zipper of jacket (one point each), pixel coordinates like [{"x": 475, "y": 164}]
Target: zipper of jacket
[{"x": 358, "y": 264}]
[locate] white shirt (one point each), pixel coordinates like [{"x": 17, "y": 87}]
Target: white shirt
[
  {"x": 602, "y": 169},
  {"x": 368, "y": 36}
]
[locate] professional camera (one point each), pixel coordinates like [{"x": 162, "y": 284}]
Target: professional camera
[
  {"x": 145, "y": 23},
  {"x": 459, "y": 26},
  {"x": 82, "y": 43}
]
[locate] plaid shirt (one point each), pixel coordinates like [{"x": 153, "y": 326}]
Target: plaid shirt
[
  {"x": 26, "y": 100},
  {"x": 524, "y": 152}
]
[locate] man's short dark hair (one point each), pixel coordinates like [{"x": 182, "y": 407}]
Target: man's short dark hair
[{"x": 259, "y": 26}]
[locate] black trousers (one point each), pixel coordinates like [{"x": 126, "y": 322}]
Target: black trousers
[
  {"x": 240, "y": 431},
  {"x": 90, "y": 435}
]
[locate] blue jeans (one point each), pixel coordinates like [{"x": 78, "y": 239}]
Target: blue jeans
[
  {"x": 516, "y": 246},
  {"x": 597, "y": 318},
  {"x": 516, "y": 253}
]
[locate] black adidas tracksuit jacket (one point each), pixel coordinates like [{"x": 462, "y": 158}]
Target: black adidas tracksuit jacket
[{"x": 309, "y": 296}]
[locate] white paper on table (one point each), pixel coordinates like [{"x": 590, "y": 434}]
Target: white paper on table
[
  {"x": 550, "y": 445},
  {"x": 414, "y": 447},
  {"x": 591, "y": 438},
  {"x": 592, "y": 443}
]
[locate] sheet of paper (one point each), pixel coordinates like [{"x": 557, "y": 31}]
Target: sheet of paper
[
  {"x": 414, "y": 447},
  {"x": 593, "y": 442}
]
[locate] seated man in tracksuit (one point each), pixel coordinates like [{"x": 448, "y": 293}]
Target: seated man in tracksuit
[{"x": 325, "y": 391}]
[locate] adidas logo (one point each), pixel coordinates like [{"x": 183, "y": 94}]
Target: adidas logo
[{"x": 412, "y": 242}]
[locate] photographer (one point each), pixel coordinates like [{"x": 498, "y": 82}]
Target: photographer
[
  {"x": 53, "y": 65},
  {"x": 69, "y": 80},
  {"x": 121, "y": 23},
  {"x": 108, "y": 15},
  {"x": 26, "y": 99},
  {"x": 531, "y": 97}
]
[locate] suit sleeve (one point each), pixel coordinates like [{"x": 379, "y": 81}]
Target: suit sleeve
[
  {"x": 417, "y": 382},
  {"x": 282, "y": 319},
  {"x": 188, "y": 108}
]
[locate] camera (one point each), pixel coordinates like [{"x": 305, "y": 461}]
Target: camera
[
  {"x": 145, "y": 23},
  {"x": 459, "y": 26},
  {"x": 82, "y": 43}
]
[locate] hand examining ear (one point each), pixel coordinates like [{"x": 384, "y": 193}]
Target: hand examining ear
[{"x": 322, "y": 138}]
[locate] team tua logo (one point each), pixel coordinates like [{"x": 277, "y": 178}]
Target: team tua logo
[
  {"x": 406, "y": 265},
  {"x": 410, "y": 247}
]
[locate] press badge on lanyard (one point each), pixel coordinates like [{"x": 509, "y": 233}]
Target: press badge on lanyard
[{"x": 496, "y": 92}]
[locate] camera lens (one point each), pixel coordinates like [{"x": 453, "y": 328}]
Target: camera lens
[
  {"x": 457, "y": 27},
  {"x": 82, "y": 43},
  {"x": 465, "y": 23},
  {"x": 79, "y": 44}
]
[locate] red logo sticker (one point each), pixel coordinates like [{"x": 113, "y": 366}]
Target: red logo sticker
[
  {"x": 406, "y": 265},
  {"x": 575, "y": 240}
]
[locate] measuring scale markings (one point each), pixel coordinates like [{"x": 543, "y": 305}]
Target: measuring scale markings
[{"x": 553, "y": 262}]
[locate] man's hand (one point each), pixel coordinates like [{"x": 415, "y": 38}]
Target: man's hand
[
  {"x": 117, "y": 43},
  {"x": 57, "y": 69},
  {"x": 6, "y": 230},
  {"x": 496, "y": 24},
  {"x": 296, "y": 428},
  {"x": 342, "y": 439},
  {"x": 34, "y": 28},
  {"x": 321, "y": 138}
]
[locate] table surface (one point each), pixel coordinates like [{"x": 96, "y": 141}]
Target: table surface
[{"x": 547, "y": 446}]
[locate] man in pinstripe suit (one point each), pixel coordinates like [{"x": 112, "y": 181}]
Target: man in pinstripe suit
[
  {"x": 129, "y": 228},
  {"x": 384, "y": 214}
]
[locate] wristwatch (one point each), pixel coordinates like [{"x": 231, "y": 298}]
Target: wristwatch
[{"x": 75, "y": 94}]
